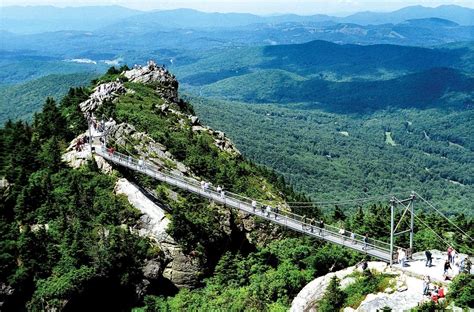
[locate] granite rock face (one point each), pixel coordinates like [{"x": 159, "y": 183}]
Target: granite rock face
[{"x": 181, "y": 269}]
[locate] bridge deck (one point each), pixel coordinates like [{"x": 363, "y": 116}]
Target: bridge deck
[{"x": 374, "y": 248}]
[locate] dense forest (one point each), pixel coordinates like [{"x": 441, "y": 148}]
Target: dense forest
[
  {"x": 66, "y": 242},
  {"x": 21, "y": 101},
  {"x": 348, "y": 156}
]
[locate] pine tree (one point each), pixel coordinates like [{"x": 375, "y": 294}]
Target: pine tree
[{"x": 333, "y": 298}]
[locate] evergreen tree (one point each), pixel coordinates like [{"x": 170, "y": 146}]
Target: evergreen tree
[{"x": 333, "y": 298}]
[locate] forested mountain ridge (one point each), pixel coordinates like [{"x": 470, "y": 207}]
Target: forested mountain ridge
[
  {"x": 67, "y": 232},
  {"x": 327, "y": 60},
  {"x": 432, "y": 88}
]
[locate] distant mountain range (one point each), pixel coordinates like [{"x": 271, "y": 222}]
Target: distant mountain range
[
  {"x": 419, "y": 90},
  {"x": 37, "y": 19},
  {"x": 328, "y": 60}
]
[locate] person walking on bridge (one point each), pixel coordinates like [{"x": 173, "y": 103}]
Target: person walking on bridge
[
  {"x": 366, "y": 242},
  {"x": 321, "y": 227},
  {"x": 269, "y": 210},
  {"x": 254, "y": 205}
]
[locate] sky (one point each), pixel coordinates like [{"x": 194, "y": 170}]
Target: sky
[{"x": 304, "y": 7}]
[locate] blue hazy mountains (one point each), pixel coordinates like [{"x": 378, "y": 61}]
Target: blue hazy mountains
[{"x": 37, "y": 19}]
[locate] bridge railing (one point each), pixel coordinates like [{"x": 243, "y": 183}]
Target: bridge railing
[{"x": 242, "y": 202}]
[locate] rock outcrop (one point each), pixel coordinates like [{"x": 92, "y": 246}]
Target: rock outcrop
[
  {"x": 103, "y": 92},
  {"x": 314, "y": 291},
  {"x": 165, "y": 83},
  {"x": 181, "y": 269}
]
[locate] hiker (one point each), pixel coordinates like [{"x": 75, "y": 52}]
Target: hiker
[
  {"x": 441, "y": 292},
  {"x": 219, "y": 189},
  {"x": 202, "y": 185},
  {"x": 321, "y": 227},
  {"x": 447, "y": 266},
  {"x": 450, "y": 251},
  {"x": 269, "y": 210},
  {"x": 434, "y": 295},
  {"x": 426, "y": 285},
  {"x": 254, "y": 205},
  {"x": 462, "y": 265},
  {"x": 342, "y": 232},
  {"x": 206, "y": 186},
  {"x": 353, "y": 237},
  {"x": 467, "y": 264},
  {"x": 453, "y": 255},
  {"x": 277, "y": 210},
  {"x": 365, "y": 265},
  {"x": 429, "y": 258},
  {"x": 140, "y": 163},
  {"x": 366, "y": 241},
  {"x": 401, "y": 257}
]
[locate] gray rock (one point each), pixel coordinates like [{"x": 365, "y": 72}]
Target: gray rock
[
  {"x": 6, "y": 291},
  {"x": 104, "y": 92},
  {"x": 165, "y": 83},
  {"x": 153, "y": 270},
  {"x": 141, "y": 289},
  {"x": 181, "y": 167},
  {"x": 194, "y": 120}
]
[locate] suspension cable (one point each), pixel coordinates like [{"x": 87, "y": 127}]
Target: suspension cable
[
  {"x": 364, "y": 199},
  {"x": 429, "y": 228},
  {"x": 440, "y": 213}
]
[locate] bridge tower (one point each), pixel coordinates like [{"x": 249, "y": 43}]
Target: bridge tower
[{"x": 408, "y": 205}]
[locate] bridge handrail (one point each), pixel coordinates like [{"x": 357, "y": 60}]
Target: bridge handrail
[{"x": 282, "y": 214}]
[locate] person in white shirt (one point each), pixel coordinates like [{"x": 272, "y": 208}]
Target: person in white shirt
[{"x": 254, "y": 205}]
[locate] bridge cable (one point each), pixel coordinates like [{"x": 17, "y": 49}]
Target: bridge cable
[
  {"x": 440, "y": 213},
  {"x": 429, "y": 228}
]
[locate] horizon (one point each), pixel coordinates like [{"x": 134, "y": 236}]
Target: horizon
[{"x": 303, "y": 7}]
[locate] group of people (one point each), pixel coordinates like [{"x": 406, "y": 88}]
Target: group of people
[
  {"x": 436, "y": 293},
  {"x": 463, "y": 265},
  {"x": 206, "y": 186}
]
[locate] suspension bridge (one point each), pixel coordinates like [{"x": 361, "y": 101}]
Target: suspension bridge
[{"x": 384, "y": 251}]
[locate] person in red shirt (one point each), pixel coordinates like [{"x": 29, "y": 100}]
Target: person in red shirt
[{"x": 441, "y": 292}]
